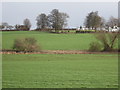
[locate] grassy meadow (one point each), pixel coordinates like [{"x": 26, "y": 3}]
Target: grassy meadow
[
  {"x": 57, "y": 70},
  {"x": 60, "y": 71},
  {"x": 50, "y": 41}
]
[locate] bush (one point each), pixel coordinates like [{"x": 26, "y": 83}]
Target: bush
[
  {"x": 108, "y": 40},
  {"x": 95, "y": 47},
  {"x": 26, "y": 44}
]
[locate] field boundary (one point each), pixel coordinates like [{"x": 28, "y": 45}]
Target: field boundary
[{"x": 54, "y": 52}]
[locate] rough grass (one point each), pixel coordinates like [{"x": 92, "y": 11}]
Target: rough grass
[
  {"x": 60, "y": 71},
  {"x": 49, "y": 41}
]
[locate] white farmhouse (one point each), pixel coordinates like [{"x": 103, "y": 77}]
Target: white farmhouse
[{"x": 114, "y": 29}]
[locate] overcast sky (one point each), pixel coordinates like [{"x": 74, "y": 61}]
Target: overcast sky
[{"x": 16, "y": 12}]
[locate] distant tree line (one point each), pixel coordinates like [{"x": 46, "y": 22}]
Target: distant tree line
[
  {"x": 26, "y": 26},
  {"x": 57, "y": 20},
  {"x": 94, "y": 21}
]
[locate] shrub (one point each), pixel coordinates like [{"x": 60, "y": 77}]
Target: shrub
[
  {"x": 26, "y": 44},
  {"x": 95, "y": 47},
  {"x": 108, "y": 40}
]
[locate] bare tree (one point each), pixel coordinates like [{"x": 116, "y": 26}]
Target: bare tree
[
  {"x": 103, "y": 23},
  {"x": 63, "y": 22},
  {"x": 41, "y": 21},
  {"x": 93, "y": 20},
  {"x": 2, "y": 27},
  {"x": 27, "y": 23},
  {"x": 5, "y": 25},
  {"x": 112, "y": 22},
  {"x": 57, "y": 20}
]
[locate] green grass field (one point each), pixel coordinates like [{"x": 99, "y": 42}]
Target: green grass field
[
  {"x": 50, "y": 41},
  {"x": 57, "y": 70},
  {"x": 60, "y": 71}
]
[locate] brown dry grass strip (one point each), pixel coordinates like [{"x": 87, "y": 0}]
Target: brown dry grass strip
[{"x": 56, "y": 52}]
